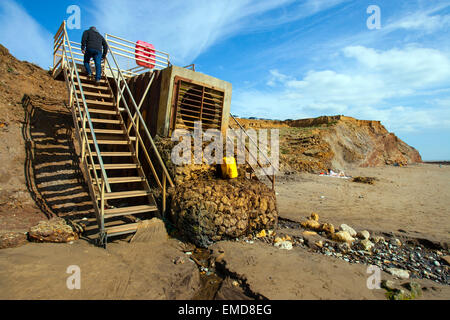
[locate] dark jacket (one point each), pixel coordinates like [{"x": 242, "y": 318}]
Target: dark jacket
[{"x": 92, "y": 39}]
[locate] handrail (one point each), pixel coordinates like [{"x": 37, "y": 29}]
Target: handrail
[
  {"x": 120, "y": 47},
  {"x": 118, "y": 81},
  {"x": 259, "y": 151},
  {"x": 85, "y": 115}
]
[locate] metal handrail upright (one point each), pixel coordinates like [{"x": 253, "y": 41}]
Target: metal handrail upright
[
  {"x": 259, "y": 151},
  {"x": 118, "y": 81}
]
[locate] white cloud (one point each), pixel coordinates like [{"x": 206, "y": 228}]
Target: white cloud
[
  {"x": 369, "y": 88},
  {"x": 408, "y": 68},
  {"x": 187, "y": 29},
  {"x": 184, "y": 29},
  {"x": 23, "y": 36},
  {"x": 423, "y": 21}
]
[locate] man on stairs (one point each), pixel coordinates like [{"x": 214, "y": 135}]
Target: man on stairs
[{"x": 92, "y": 44}]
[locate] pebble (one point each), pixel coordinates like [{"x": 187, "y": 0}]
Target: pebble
[
  {"x": 378, "y": 239},
  {"x": 178, "y": 260},
  {"x": 396, "y": 242},
  {"x": 366, "y": 245},
  {"x": 403, "y": 261}
]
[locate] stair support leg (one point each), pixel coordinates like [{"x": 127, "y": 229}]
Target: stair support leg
[{"x": 102, "y": 233}]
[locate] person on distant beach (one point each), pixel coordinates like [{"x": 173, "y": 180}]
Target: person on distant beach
[{"x": 92, "y": 44}]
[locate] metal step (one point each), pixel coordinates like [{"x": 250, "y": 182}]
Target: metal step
[
  {"x": 126, "y": 194},
  {"x": 101, "y": 111},
  {"x": 95, "y": 94},
  {"x": 116, "y": 212},
  {"x": 112, "y": 141},
  {"x": 99, "y": 103},
  {"x": 97, "y": 120},
  {"x": 93, "y": 86},
  {"x": 115, "y": 154},
  {"x": 123, "y": 180},
  {"x": 88, "y": 80},
  {"x": 122, "y": 229},
  {"x": 119, "y": 166},
  {"x": 106, "y": 131}
]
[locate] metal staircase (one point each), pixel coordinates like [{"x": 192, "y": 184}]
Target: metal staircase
[{"x": 113, "y": 140}]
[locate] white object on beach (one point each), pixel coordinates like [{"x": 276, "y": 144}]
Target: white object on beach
[
  {"x": 399, "y": 273},
  {"x": 286, "y": 245}
]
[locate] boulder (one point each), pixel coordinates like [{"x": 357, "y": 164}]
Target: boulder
[
  {"x": 309, "y": 233},
  {"x": 285, "y": 245},
  {"x": 388, "y": 285},
  {"x": 343, "y": 236},
  {"x": 366, "y": 245},
  {"x": 13, "y": 240},
  {"x": 56, "y": 230},
  {"x": 328, "y": 228},
  {"x": 311, "y": 224},
  {"x": 312, "y": 240},
  {"x": 314, "y": 216},
  {"x": 349, "y": 229},
  {"x": 414, "y": 288},
  {"x": 399, "y": 273},
  {"x": 363, "y": 234}
]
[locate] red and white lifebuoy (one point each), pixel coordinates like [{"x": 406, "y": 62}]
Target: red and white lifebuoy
[{"x": 146, "y": 52}]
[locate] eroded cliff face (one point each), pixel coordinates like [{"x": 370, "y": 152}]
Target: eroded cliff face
[
  {"x": 367, "y": 144},
  {"x": 336, "y": 142}
]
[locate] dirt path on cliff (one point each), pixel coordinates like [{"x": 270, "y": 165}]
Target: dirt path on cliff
[{"x": 413, "y": 200}]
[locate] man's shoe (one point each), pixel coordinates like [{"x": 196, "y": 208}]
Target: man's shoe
[{"x": 97, "y": 82}]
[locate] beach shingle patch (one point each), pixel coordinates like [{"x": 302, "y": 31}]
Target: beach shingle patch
[{"x": 367, "y": 180}]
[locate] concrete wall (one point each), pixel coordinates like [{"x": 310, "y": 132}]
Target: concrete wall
[{"x": 167, "y": 88}]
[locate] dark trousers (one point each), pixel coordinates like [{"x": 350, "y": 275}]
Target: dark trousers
[{"x": 97, "y": 56}]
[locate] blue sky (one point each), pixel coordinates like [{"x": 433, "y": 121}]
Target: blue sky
[{"x": 285, "y": 58}]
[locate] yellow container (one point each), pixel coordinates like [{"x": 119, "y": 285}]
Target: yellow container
[{"x": 229, "y": 168}]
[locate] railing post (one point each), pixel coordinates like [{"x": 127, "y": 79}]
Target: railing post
[
  {"x": 137, "y": 140},
  {"x": 164, "y": 196},
  {"x": 102, "y": 206}
]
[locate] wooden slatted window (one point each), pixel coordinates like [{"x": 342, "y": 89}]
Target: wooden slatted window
[{"x": 196, "y": 102}]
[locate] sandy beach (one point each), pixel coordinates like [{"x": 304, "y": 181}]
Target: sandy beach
[
  {"x": 409, "y": 202},
  {"x": 412, "y": 200}
]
